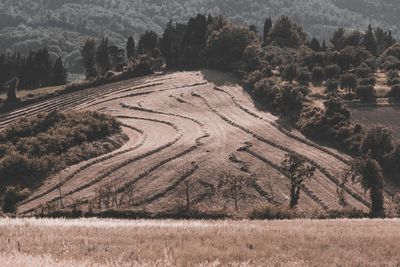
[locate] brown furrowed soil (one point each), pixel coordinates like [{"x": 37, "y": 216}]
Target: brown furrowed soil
[
  {"x": 197, "y": 124},
  {"x": 93, "y": 242}
]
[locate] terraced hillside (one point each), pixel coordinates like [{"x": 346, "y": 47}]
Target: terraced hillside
[{"x": 187, "y": 124}]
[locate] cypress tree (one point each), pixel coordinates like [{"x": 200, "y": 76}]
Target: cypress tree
[
  {"x": 59, "y": 73},
  {"x": 88, "y": 55},
  {"x": 130, "y": 48},
  {"x": 267, "y": 29},
  {"x": 103, "y": 62},
  {"x": 369, "y": 41}
]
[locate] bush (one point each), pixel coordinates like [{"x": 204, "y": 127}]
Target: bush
[
  {"x": 348, "y": 81},
  {"x": 393, "y": 74},
  {"x": 393, "y": 81},
  {"x": 265, "y": 92},
  {"x": 395, "y": 92},
  {"x": 318, "y": 75},
  {"x": 304, "y": 76},
  {"x": 274, "y": 213},
  {"x": 290, "y": 72},
  {"x": 332, "y": 71},
  {"x": 290, "y": 100},
  {"x": 367, "y": 81},
  {"x": 365, "y": 92},
  {"x": 363, "y": 71},
  {"x": 12, "y": 196},
  {"x": 332, "y": 85}
]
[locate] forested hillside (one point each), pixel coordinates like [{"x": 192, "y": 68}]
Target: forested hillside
[{"x": 63, "y": 26}]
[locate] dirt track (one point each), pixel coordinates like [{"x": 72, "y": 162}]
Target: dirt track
[{"x": 188, "y": 123}]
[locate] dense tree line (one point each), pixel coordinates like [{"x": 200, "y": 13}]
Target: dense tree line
[{"x": 38, "y": 69}]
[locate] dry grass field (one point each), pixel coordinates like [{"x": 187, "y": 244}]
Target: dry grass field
[
  {"x": 199, "y": 124},
  {"x": 93, "y": 242}
]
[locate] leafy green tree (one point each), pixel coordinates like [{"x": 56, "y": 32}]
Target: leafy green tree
[
  {"x": 103, "y": 61},
  {"x": 338, "y": 38},
  {"x": 297, "y": 170},
  {"x": 377, "y": 142},
  {"x": 88, "y": 54},
  {"x": 147, "y": 42},
  {"x": 130, "y": 48},
  {"x": 286, "y": 33},
  {"x": 60, "y": 73},
  {"x": 368, "y": 173},
  {"x": 318, "y": 75}
]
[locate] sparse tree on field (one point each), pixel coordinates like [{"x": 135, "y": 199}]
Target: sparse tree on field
[
  {"x": 297, "y": 170},
  {"x": 233, "y": 188},
  {"x": 368, "y": 173},
  {"x": 88, "y": 54},
  {"x": 290, "y": 72}
]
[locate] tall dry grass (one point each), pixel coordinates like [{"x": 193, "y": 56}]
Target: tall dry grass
[{"x": 93, "y": 242}]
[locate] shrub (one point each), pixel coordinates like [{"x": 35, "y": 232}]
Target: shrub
[
  {"x": 12, "y": 196},
  {"x": 348, "y": 81},
  {"x": 332, "y": 85},
  {"x": 265, "y": 92},
  {"x": 395, "y": 92},
  {"x": 332, "y": 71},
  {"x": 290, "y": 72},
  {"x": 365, "y": 92},
  {"x": 367, "y": 81},
  {"x": 393, "y": 74},
  {"x": 290, "y": 100},
  {"x": 318, "y": 75},
  {"x": 393, "y": 81},
  {"x": 274, "y": 213},
  {"x": 363, "y": 71},
  {"x": 304, "y": 76}
]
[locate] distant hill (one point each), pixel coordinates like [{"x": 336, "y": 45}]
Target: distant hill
[{"x": 63, "y": 25}]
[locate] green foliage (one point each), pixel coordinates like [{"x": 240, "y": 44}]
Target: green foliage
[
  {"x": 13, "y": 195},
  {"x": 286, "y": 33},
  {"x": 226, "y": 48},
  {"x": 365, "y": 92},
  {"x": 59, "y": 73},
  {"x": 103, "y": 62},
  {"x": 290, "y": 72},
  {"x": 33, "y": 148},
  {"x": 290, "y": 100},
  {"x": 304, "y": 76},
  {"x": 147, "y": 42},
  {"x": 88, "y": 54},
  {"x": 348, "y": 81},
  {"x": 332, "y": 86},
  {"x": 318, "y": 75},
  {"x": 363, "y": 71},
  {"x": 369, "y": 173},
  {"x": 332, "y": 71},
  {"x": 130, "y": 48},
  {"x": 297, "y": 170},
  {"x": 395, "y": 91},
  {"x": 377, "y": 142}
]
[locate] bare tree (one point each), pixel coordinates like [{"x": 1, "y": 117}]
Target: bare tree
[
  {"x": 233, "y": 188},
  {"x": 297, "y": 170},
  {"x": 341, "y": 182}
]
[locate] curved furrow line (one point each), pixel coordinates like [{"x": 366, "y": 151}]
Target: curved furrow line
[
  {"x": 264, "y": 193},
  {"x": 306, "y": 190},
  {"x": 145, "y": 173},
  {"x": 70, "y": 100},
  {"x": 163, "y": 193},
  {"x": 89, "y": 164},
  {"x": 283, "y": 148},
  {"x": 283, "y": 130},
  {"x": 202, "y": 125},
  {"x": 126, "y": 162},
  {"x": 148, "y": 93}
]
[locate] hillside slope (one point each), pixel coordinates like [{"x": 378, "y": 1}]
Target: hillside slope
[
  {"x": 188, "y": 124},
  {"x": 63, "y": 25}
]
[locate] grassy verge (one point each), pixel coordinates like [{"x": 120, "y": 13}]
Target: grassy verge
[{"x": 88, "y": 242}]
